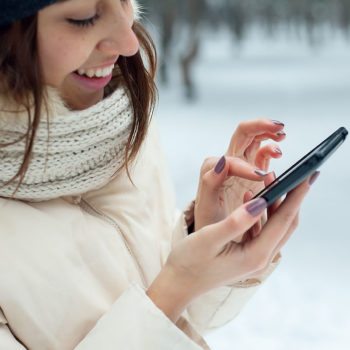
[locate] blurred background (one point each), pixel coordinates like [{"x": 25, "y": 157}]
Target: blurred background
[{"x": 225, "y": 61}]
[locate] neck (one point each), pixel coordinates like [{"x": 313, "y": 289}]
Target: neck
[{"x": 79, "y": 102}]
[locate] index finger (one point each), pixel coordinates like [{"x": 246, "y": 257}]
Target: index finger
[{"x": 248, "y": 130}]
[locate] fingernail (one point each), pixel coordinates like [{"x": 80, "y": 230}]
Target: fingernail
[
  {"x": 277, "y": 150},
  {"x": 260, "y": 172},
  {"x": 314, "y": 177},
  {"x": 220, "y": 165},
  {"x": 277, "y": 122},
  {"x": 256, "y": 207},
  {"x": 281, "y": 133}
]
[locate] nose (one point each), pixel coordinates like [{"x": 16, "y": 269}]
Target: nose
[{"x": 120, "y": 39}]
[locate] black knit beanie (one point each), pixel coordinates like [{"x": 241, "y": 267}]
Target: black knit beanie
[{"x": 12, "y": 10}]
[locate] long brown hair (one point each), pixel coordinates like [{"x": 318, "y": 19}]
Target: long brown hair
[{"x": 21, "y": 80}]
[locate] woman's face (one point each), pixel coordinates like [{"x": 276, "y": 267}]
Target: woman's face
[{"x": 84, "y": 34}]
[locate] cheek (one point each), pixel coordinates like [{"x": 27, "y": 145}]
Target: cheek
[{"x": 60, "y": 56}]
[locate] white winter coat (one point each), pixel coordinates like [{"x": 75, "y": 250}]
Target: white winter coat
[{"x": 74, "y": 270}]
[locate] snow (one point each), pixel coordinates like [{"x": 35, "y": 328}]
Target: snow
[{"x": 305, "y": 303}]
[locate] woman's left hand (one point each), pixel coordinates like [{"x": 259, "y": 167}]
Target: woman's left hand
[{"x": 220, "y": 193}]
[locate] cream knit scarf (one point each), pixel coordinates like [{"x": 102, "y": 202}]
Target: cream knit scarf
[{"x": 84, "y": 150}]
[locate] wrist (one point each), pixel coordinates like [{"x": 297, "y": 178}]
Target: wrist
[{"x": 168, "y": 294}]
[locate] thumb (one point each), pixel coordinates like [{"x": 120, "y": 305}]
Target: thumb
[
  {"x": 216, "y": 176},
  {"x": 220, "y": 170},
  {"x": 237, "y": 223},
  {"x": 233, "y": 166}
]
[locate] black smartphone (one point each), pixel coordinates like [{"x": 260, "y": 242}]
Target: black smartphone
[{"x": 303, "y": 168}]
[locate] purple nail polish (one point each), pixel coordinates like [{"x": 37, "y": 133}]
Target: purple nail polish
[
  {"x": 314, "y": 177},
  {"x": 277, "y": 150},
  {"x": 256, "y": 207},
  {"x": 260, "y": 172},
  {"x": 277, "y": 122},
  {"x": 220, "y": 165}
]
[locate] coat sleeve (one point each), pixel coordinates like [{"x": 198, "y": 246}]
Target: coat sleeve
[
  {"x": 7, "y": 340},
  {"x": 218, "y": 307},
  {"x": 144, "y": 327}
]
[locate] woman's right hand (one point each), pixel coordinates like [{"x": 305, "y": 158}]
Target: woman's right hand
[{"x": 210, "y": 258}]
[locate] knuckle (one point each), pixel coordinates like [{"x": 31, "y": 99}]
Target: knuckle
[
  {"x": 206, "y": 179},
  {"x": 261, "y": 263},
  {"x": 265, "y": 153},
  {"x": 242, "y": 126},
  {"x": 258, "y": 263},
  {"x": 211, "y": 160},
  {"x": 232, "y": 221},
  {"x": 272, "y": 147},
  {"x": 288, "y": 217},
  {"x": 207, "y": 164}
]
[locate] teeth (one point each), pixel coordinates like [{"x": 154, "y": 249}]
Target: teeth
[
  {"x": 100, "y": 72},
  {"x": 90, "y": 73}
]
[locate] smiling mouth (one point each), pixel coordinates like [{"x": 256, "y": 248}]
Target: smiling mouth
[
  {"x": 94, "y": 83},
  {"x": 97, "y": 73},
  {"x": 93, "y": 77}
]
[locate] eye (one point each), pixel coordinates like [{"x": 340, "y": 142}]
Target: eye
[
  {"x": 84, "y": 22},
  {"x": 89, "y": 21}
]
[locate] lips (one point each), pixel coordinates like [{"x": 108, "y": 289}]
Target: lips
[
  {"x": 93, "y": 83},
  {"x": 102, "y": 65}
]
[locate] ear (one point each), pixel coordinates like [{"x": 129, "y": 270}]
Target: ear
[{"x": 137, "y": 9}]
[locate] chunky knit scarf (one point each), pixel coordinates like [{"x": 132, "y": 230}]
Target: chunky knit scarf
[{"x": 83, "y": 151}]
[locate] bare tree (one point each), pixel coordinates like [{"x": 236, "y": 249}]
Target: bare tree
[{"x": 195, "y": 15}]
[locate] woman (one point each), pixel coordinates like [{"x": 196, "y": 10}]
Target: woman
[{"x": 93, "y": 253}]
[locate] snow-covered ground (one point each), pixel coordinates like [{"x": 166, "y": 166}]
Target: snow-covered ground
[{"x": 305, "y": 304}]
